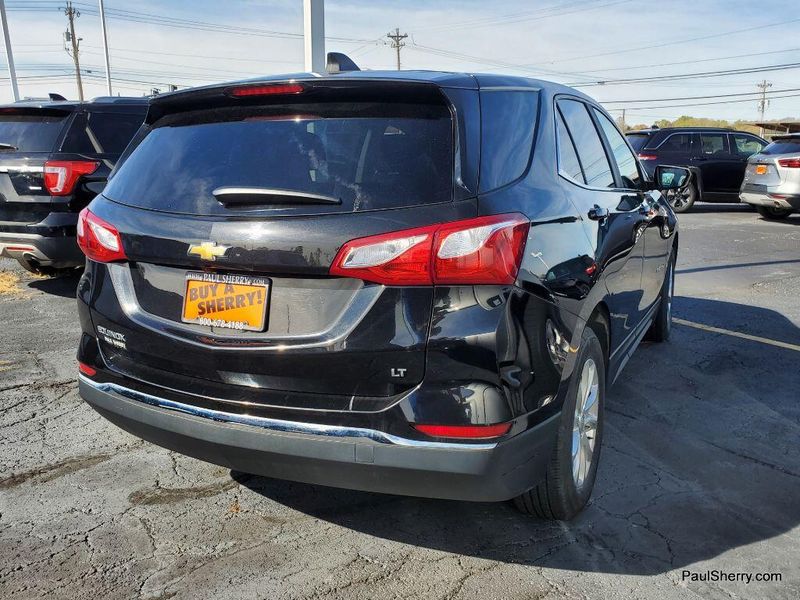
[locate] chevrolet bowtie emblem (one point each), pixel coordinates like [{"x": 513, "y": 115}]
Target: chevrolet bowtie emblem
[{"x": 207, "y": 250}]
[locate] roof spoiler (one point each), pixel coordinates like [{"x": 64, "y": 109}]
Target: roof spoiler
[{"x": 340, "y": 63}]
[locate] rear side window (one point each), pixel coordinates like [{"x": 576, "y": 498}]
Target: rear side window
[
  {"x": 785, "y": 146},
  {"x": 367, "y": 155},
  {"x": 677, "y": 142},
  {"x": 591, "y": 153},
  {"x": 568, "y": 164},
  {"x": 626, "y": 161},
  {"x": 101, "y": 132},
  {"x": 637, "y": 140},
  {"x": 508, "y": 122},
  {"x": 30, "y": 130}
]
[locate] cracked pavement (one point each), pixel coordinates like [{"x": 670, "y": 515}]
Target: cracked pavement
[{"x": 700, "y": 470}]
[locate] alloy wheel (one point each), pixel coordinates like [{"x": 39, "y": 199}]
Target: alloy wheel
[{"x": 584, "y": 425}]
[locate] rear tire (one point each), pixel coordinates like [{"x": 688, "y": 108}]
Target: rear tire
[
  {"x": 662, "y": 323},
  {"x": 682, "y": 201},
  {"x": 773, "y": 214},
  {"x": 572, "y": 469}
]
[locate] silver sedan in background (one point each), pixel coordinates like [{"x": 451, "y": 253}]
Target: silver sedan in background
[{"x": 772, "y": 178}]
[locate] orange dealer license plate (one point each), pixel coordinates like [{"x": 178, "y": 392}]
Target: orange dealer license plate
[{"x": 228, "y": 301}]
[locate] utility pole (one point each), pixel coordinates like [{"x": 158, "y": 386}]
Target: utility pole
[
  {"x": 314, "y": 36},
  {"x": 624, "y": 127},
  {"x": 75, "y": 42},
  {"x": 105, "y": 47},
  {"x": 12, "y": 73},
  {"x": 397, "y": 42},
  {"x": 763, "y": 102}
]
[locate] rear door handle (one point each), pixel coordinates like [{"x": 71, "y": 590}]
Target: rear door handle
[{"x": 598, "y": 213}]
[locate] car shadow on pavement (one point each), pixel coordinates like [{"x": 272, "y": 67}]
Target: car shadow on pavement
[
  {"x": 719, "y": 207},
  {"x": 700, "y": 457},
  {"x": 64, "y": 286}
]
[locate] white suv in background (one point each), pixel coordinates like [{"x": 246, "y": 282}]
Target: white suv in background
[{"x": 772, "y": 178}]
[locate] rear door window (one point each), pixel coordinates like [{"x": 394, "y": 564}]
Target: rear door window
[
  {"x": 369, "y": 156},
  {"x": 101, "y": 132},
  {"x": 713, "y": 144},
  {"x": 31, "y": 130},
  {"x": 626, "y": 161},
  {"x": 508, "y": 122},
  {"x": 677, "y": 142},
  {"x": 591, "y": 153}
]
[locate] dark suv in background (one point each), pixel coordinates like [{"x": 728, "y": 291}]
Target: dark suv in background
[
  {"x": 717, "y": 158},
  {"x": 55, "y": 156},
  {"x": 406, "y": 282}
]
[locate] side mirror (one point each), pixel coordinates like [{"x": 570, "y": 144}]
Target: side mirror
[{"x": 671, "y": 178}]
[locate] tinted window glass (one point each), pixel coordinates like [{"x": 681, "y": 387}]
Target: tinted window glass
[
  {"x": 101, "y": 132},
  {"x": 677, "y": 142},
  {"x": 390, "y": 155},
  {"x": 596, "y": 167},
  {"x": 713, "y": 143},
  {"x": 568, "y": 164},
  {"x": 786, "y": 146},
  {"x": 746, "y": 145},
  {"x": 626, "y": 161},
  {"x": 508, "y": 120},
  {"x": 637, "y": 140},
  {"x": 31, "y": 131}
]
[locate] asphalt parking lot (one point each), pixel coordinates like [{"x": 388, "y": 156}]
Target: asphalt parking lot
[{"x": 700, "y": 471}]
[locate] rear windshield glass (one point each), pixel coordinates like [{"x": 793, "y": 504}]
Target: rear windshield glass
[
  {"x": 637, "y": 140},
  {"x": 101, "y": 132},
  {"x": 30, "y": 131},
  {"x": 783, "y": 147},
  {"x": 367, "y": 155}
]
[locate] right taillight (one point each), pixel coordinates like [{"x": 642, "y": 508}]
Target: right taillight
[
  {"x": 98, "y": 240},
  {"x": 484, "y": 250},
  {"x": 647, "y": 157},
  {"x": 791, "y": 163}
]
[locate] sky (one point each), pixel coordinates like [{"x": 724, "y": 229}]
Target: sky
[{"x": 606, "y": 48}]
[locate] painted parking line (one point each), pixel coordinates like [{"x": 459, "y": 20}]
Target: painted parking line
[{"x": 738, "y": 334}]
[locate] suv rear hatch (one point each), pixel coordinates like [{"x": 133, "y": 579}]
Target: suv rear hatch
[
  {"x": 231, "y": 202},
  {"x": 28, "y": 135}
]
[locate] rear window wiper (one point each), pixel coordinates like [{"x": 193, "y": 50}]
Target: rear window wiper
[
  {"x": 258, "y": 195},
  {"x": 4, "y": 146}
]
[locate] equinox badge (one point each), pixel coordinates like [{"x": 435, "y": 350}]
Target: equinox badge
[{"x": 207, "y": 250}]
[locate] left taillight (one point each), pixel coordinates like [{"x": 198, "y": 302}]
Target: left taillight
[
  {"x": 60, "y": 176},
  {"x": 99, "y": 240},
  {"x": 484, "y": 250}
]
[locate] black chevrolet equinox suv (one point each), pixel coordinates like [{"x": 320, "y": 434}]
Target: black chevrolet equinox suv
[
  {"x": 416, "y": 283},
  {"x": 55, "y": 156}
]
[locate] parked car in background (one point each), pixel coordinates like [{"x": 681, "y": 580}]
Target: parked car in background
[
  {"x": 716, "y": 157},
  {"x": 55, "y": 156},
  {"x": 772, "y": 179},
  {"x": 377, "y": 280}
]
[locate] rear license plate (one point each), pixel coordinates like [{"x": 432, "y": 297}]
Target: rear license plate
[
  {"x": 761, "y": 169},
  {"x": 229, "y": 301}
]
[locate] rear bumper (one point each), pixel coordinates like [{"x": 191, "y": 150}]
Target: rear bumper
[
  {"x": 348, "y": 457},
  {"x": 764, "y": 196},
  {"x": 48, "y": 246}
]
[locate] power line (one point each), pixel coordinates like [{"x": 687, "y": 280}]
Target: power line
[{"x": 697, "y": 97}]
